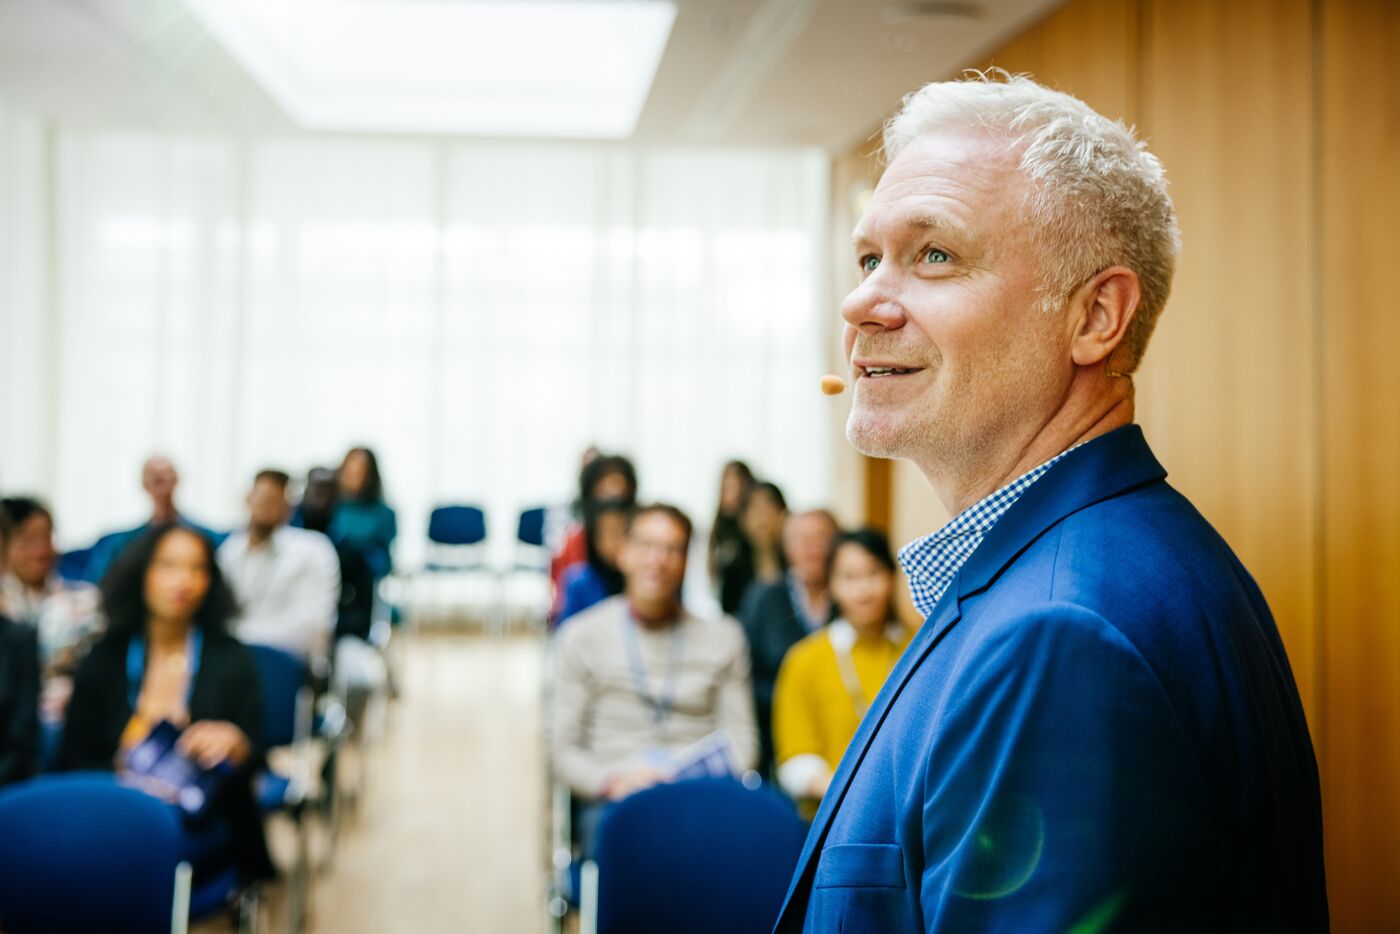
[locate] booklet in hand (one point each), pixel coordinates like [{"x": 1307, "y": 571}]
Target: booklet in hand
[
  {"x": 710, "y": 757},
  {"x": 157, "y": 767}
]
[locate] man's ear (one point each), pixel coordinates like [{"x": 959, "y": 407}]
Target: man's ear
[{"x": 1107, "y": 303}]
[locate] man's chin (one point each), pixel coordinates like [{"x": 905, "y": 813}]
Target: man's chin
[{"x": 876, "y": 437}]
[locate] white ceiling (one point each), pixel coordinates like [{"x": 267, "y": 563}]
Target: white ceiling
[{"x": 765, "y": 72}]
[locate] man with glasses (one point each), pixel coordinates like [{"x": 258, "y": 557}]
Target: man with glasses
[{"x": 641, "y": 683}]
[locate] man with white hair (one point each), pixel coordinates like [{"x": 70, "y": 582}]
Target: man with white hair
[
  {"x": 1097, "y": 727},
  {"x": 159, "y": 479}
]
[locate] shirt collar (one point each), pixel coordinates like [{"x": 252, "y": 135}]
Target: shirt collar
[{"x": 933, "y": 561}]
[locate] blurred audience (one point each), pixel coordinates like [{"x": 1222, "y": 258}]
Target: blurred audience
[
  {"x": 314, "y": 513},
  {"x": 66, "y": 614},
  {"x": 602, "y": 477},
  {"x": 777, "y": 615},
  {"x": 830, "y": 678},
  {"x": 19, "y": 689},
  {"x": 639, "y": 680},
  {"x": 761, "y": 520},
  {"x": 363, "y": 521},
  {"x": 598, "y": 577},
  {"x": 729, "y": 549},
  {"x": 167, "y": 657},
  {"x": 159, "y": 479},
  {"x": 286, "y": 580}
]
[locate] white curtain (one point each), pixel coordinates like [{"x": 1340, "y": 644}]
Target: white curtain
[
  {"x": 478, "y": 313},
  {"x": 27, "y": 341}
]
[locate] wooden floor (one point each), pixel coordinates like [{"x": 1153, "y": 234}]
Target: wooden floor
[{"x": 450, "y": 834}]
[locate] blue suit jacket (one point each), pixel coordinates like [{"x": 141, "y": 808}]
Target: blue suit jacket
[{"x": 1096, "y": 729}]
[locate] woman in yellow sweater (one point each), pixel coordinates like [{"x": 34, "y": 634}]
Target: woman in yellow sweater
[{"x": 829, "y": 679}]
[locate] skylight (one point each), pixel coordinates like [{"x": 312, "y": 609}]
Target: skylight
[{"x": 536, "y": 68}]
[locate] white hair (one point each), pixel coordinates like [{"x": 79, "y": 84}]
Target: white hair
[{"x": 1098, "y": 196}]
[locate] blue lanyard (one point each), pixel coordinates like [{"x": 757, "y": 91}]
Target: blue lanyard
[
  {"x": 660, "y": 706},
  {"x": 136, "y": 665}
]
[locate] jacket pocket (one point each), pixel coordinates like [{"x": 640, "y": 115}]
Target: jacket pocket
[{"x": 861, "y": 865}]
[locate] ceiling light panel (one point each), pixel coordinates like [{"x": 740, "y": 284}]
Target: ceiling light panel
[{"x": 534, "y": 68}]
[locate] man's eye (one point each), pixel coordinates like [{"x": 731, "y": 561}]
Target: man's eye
[
  {"x": 868, "y": 263},
  {"x": 935, "y": 255}
]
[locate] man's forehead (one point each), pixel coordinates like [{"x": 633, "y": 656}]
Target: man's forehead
[{"x": 944, "y": 180}]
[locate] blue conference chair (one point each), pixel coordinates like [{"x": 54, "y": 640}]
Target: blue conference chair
[
  {"x": 696, "y": 856},
  {"x": 457, "y": 545},
  {"x": 456, "y": 528},
  {"x": 526, "y": 587},
  {"x": 73, "y": 565},
  {"x": 80, "y": 853},
  {"x": 288, "y": 720},
  {"x": 530, "y": 530}
]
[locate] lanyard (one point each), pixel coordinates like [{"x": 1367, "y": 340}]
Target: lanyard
[
  {"x": 641, "y": 684},
  {"x": 136, "y": 665}
]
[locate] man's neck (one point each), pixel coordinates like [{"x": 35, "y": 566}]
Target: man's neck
[
  {"x": 814, "y": 591},
  {"x": 963, "y": 484},
  {"x": 655, "y": 615},
  {"x": 164, "y": 514},
  {"x": 259, "y": 536}
]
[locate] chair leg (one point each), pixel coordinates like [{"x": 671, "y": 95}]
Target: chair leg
[
  {"x": 180, "y": 905},
  {"x": 249, "y": 911},
  {"x": 299, "y": 880},
  {"x": 588, "y": 898}
]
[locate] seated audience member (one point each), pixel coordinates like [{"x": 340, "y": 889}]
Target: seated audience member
[
  {"x": 66, "y": 614},
  {"x": 166, "y": 657},
  {"x": 761, "y": 520},
  {"x": 829, "y": 679},
  {"x": 730, "y": 554},
  {"x": 363, "y": 521},
  {"x": 639, "y": 679},
  {"x": 159, "y": 479},
  {"x": 19, "y": 690},
  {"x": 597, "y": 578},
  {"x": 777, "y": 615},
  {"x": 286, "y": 580},
  {"x": 356, "y": 605},
  {"x": 19, "y": 701},
  {"x": 604, "y": 477}
]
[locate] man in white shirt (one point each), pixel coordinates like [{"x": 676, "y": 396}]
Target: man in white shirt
[{"x": 287, "y": 580}]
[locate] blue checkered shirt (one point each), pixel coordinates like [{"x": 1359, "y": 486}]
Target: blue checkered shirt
[{"x": 932, "y": 561}]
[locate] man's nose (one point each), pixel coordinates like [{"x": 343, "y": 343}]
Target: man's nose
[{"x": 872, "y": 306}]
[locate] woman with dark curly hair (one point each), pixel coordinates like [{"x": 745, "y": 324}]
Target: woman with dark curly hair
[{"x": 167, "y": 657}]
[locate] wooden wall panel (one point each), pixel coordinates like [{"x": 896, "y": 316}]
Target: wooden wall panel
[
  {"x": 1359, "y": 742},
  {"x": 1227, "y": 394},
  {"x": 1088, "y": 49}
]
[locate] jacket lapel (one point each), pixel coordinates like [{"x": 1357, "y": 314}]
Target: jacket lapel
[
  {"x": 1105, "y": 467},
  {"x": 943, "y": 618}
]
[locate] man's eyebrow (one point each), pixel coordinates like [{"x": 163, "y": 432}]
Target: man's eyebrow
[{"x": 929, "y": 223}]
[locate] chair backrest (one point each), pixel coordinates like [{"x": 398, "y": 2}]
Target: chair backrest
[
  {"x": 530, "y": 531},
  {"x": 457, "y": 525},
  {"x": 80, "y": 852},
  {"x": 283, "y": 676},
  {"x": 696, "y": 856},
  {"x": 72, "y": 565}
]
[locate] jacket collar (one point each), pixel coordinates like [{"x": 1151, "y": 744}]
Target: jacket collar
[{"x": 1098, "y": 470}]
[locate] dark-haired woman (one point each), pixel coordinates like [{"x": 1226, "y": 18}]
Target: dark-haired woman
[
  {"x": 596, "y": 578},
  {"x": 605, "y": 477},
  {"x": 363, "y": 521},
  {"x": 761, "y": 519},
  {"x": 728, "y": 548},
  {"x": 829, "y": 679},
  {"x": 167, "y": 657}
]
